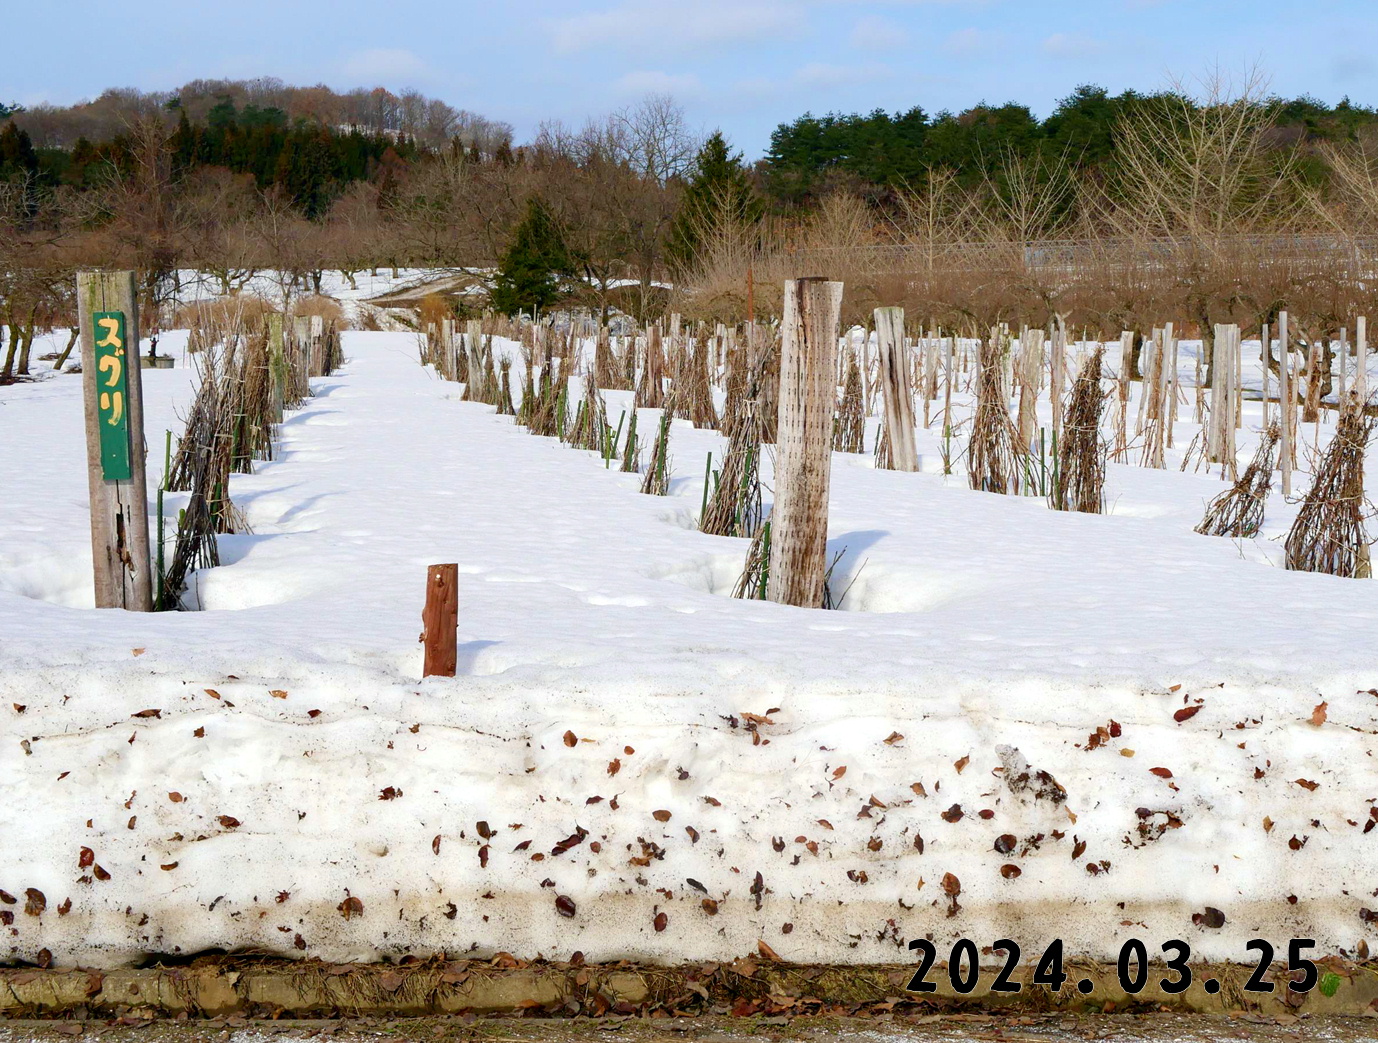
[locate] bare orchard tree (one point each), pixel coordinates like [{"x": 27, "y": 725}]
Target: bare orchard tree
[
  {"x": 284, "y": 244},
  {"x": 1197, "y": 176},
  {"x": 654, "y": 139},
  {"x": 216, "y": 208}
]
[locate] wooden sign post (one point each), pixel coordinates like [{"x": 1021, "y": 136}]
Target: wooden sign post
[
  {"x": 803, "y": 446},
  {"x": 440, "y": 621},
  {"x": 894, "y": 383},
  {"x": 113, "y": 394}
]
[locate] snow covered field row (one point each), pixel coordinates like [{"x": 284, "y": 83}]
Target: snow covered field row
[{"x": 633, "y": 764}]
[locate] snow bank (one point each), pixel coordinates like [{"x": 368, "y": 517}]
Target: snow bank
[{"x": 633, "y": 765}]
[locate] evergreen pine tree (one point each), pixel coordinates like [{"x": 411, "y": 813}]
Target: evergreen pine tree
[
  {"x": 719, "y": 190},
  {"x": 530, "y": 271}
]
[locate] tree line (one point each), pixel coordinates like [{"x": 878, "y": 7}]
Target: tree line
[
  {"x": 876, "y": 153},
  {"x": 1176, "y": 202}
]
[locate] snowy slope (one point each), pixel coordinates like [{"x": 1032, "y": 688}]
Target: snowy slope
[{"x": 296, "y": 761}]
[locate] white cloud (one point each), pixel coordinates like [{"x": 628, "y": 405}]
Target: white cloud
[
  {"x": 874, "y": 33},
  {"x": 968, "y": 42},
  {"x": 658, "y": 24},
  {"x": 821, "y": 74},
  {"x": 1071, "y": 45},
  {"x": 386, "y": 65},
  {"x": 654, "y": 81}
]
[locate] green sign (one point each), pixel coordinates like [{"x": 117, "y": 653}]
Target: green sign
[{"x": 112, "y": 395}]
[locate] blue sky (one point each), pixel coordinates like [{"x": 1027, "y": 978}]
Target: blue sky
[{"x": 741, "y": 65}]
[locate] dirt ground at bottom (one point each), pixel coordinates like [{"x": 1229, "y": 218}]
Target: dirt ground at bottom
[{"x": 936, "y": 1028}]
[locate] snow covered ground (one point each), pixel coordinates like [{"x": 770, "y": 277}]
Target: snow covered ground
[{"x": 235, "y": 778}]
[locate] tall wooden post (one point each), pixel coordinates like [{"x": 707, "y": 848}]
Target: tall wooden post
[
  {"x": 278, "y": 370},
  {"x": 440, "y": 620},
  {"x": 1285, "y": 404},
  {"x": 317, "y": 328},
  {"x": 803, "y": 447},
  {"x": 113, "y": 394},
  {"x": 1361, "y": 362},
  {"x": 473, "y": 344},
  {"x": 894, "y": 382},
  {"x": 1058, "y": 375}
]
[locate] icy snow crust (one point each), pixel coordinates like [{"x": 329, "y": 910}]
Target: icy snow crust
[{"x": 594, "y": 746}]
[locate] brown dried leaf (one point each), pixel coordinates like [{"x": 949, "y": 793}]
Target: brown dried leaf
[
  {"x": 571, "y": 739},
  {"x": 1186, "y": 713},
  {"x": 1318, "y": 714}
]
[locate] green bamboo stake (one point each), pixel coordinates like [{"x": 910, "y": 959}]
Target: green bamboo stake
[
  {"x": 616, "y": 438},
  {"x": 707, "y": 475}
]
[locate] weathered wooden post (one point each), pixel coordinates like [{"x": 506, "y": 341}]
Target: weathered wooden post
[
  {"x": 113, "y": 395},
  {"x": 440, "y": 620},
  {"x": 449, "y": 366},
  {"x": 317, "y": 328},
  {"x": 278, "y": 370},
  {"x": 1285, "y": 405},
  {"x": 1058, "y": 374},
  {"x": 1361, "y": 362},
  {"x": 301, "y": 332},
  {"x": 473, "y": 342},
  {"x": 803, "y": 446},
  {"x": 894, "y": 382}
]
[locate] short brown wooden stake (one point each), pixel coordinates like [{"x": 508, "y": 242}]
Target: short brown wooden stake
[
  {"x": 803, "y": 450},
  {"x": 113, "y": 394},
  {"x": 440, "y": 621}
]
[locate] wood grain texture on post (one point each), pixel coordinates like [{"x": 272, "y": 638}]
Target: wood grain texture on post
[
  {"x": 803, "y": 451},
  {"x": 113, "y": 395},
  {"x": 440, "y": 621},
  {"x": 894, "y": 384}
]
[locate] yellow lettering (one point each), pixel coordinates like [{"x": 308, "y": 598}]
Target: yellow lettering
[
  {"x": 112, "y": 334},
  {"x": 112, "y": 402},
  {"x": 114, "y": 367}
]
